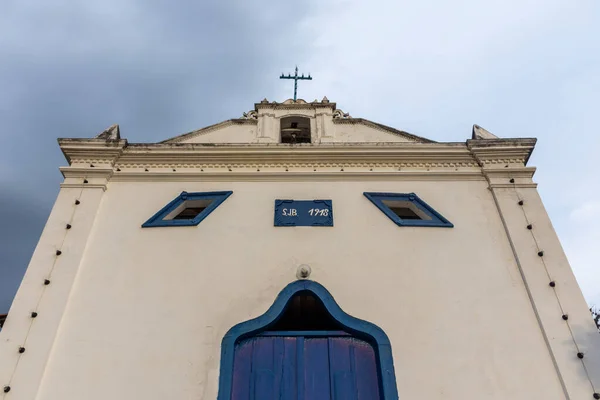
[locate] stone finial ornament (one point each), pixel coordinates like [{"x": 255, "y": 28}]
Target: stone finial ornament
[
  {"x": 480, "y": 133},
  {"x": 110, "y": 133},
  {"x": 250, "y": 115},
  {"x": 340, "y": 114},
  {"x": 325, "y": 100},
  {"x": 297, "y": 101}
]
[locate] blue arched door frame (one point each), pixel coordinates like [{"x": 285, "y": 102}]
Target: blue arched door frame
[{"x": 359, "y": 328}]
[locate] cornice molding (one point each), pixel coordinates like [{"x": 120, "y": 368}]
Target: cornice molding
[
  {"x": 489, "y": 152},
  {"x": 510, "y": 177},
  {"x": 100, "y": 150},
  {"x": 531, "y": 185},
  {"x": 86, "y": 172},
  {"x": 367, "y": 166},
  {"x": 84, "y": 186},
  {"x": 280, "y": 176},
  {"x": 86, "y": 177},
  {"x": 393, "y": 154},
  {"x": 514, "y": 172},
  {"x": 496, "y": 160}
]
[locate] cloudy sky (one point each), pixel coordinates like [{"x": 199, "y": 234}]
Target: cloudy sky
[{"x": 519, "y": 68}]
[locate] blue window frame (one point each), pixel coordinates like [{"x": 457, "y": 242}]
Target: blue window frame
[
  {"x": 187, "y": 209},
  {"x": 309, "y": 355},
  {"x": 407, "y": 209}
]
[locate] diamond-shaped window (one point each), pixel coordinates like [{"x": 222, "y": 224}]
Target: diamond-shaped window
[
  {"x": 187, "y": 209},
  {"x": 407, "y": 209}
]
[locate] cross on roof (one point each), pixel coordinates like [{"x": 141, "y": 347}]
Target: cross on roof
[{"x": 296, "y": 78}]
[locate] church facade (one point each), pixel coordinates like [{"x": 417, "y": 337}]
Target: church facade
[{"x": 299, "y": 253}]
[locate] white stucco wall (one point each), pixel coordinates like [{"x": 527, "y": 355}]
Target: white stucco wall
[
  {"x": 150, "y": 306},
  {"x": 363, "y": 133},
  {"x": 228, "y": 133},
  {"x": 23, "y": 372}
]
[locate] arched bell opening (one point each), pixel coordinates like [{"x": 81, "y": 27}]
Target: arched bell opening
[
  {"x": 306, "y": 347},
  {"x": 295, "y": 129}
]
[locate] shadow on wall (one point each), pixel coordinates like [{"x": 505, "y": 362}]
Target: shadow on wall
[{"x": 2, "y": 319}]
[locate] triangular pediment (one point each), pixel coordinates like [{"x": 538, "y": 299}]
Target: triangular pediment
[
  {"x": 230, "y": 131},
  {"x": 267, "y": 122},
  {"x": 359, "y": 130}
]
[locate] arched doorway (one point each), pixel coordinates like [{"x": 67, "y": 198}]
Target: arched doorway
[{"x": 306, "y": 348}]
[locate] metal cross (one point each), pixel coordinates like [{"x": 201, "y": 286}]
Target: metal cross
[{"x": 296, "y": 78}]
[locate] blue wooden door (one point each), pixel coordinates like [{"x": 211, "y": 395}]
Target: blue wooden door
[{"x": 305, "y": 368}]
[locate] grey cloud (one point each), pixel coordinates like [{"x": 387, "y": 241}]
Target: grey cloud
[
  {"x": 70, "y": 69},
  {"x": 23, "y": 218}
]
